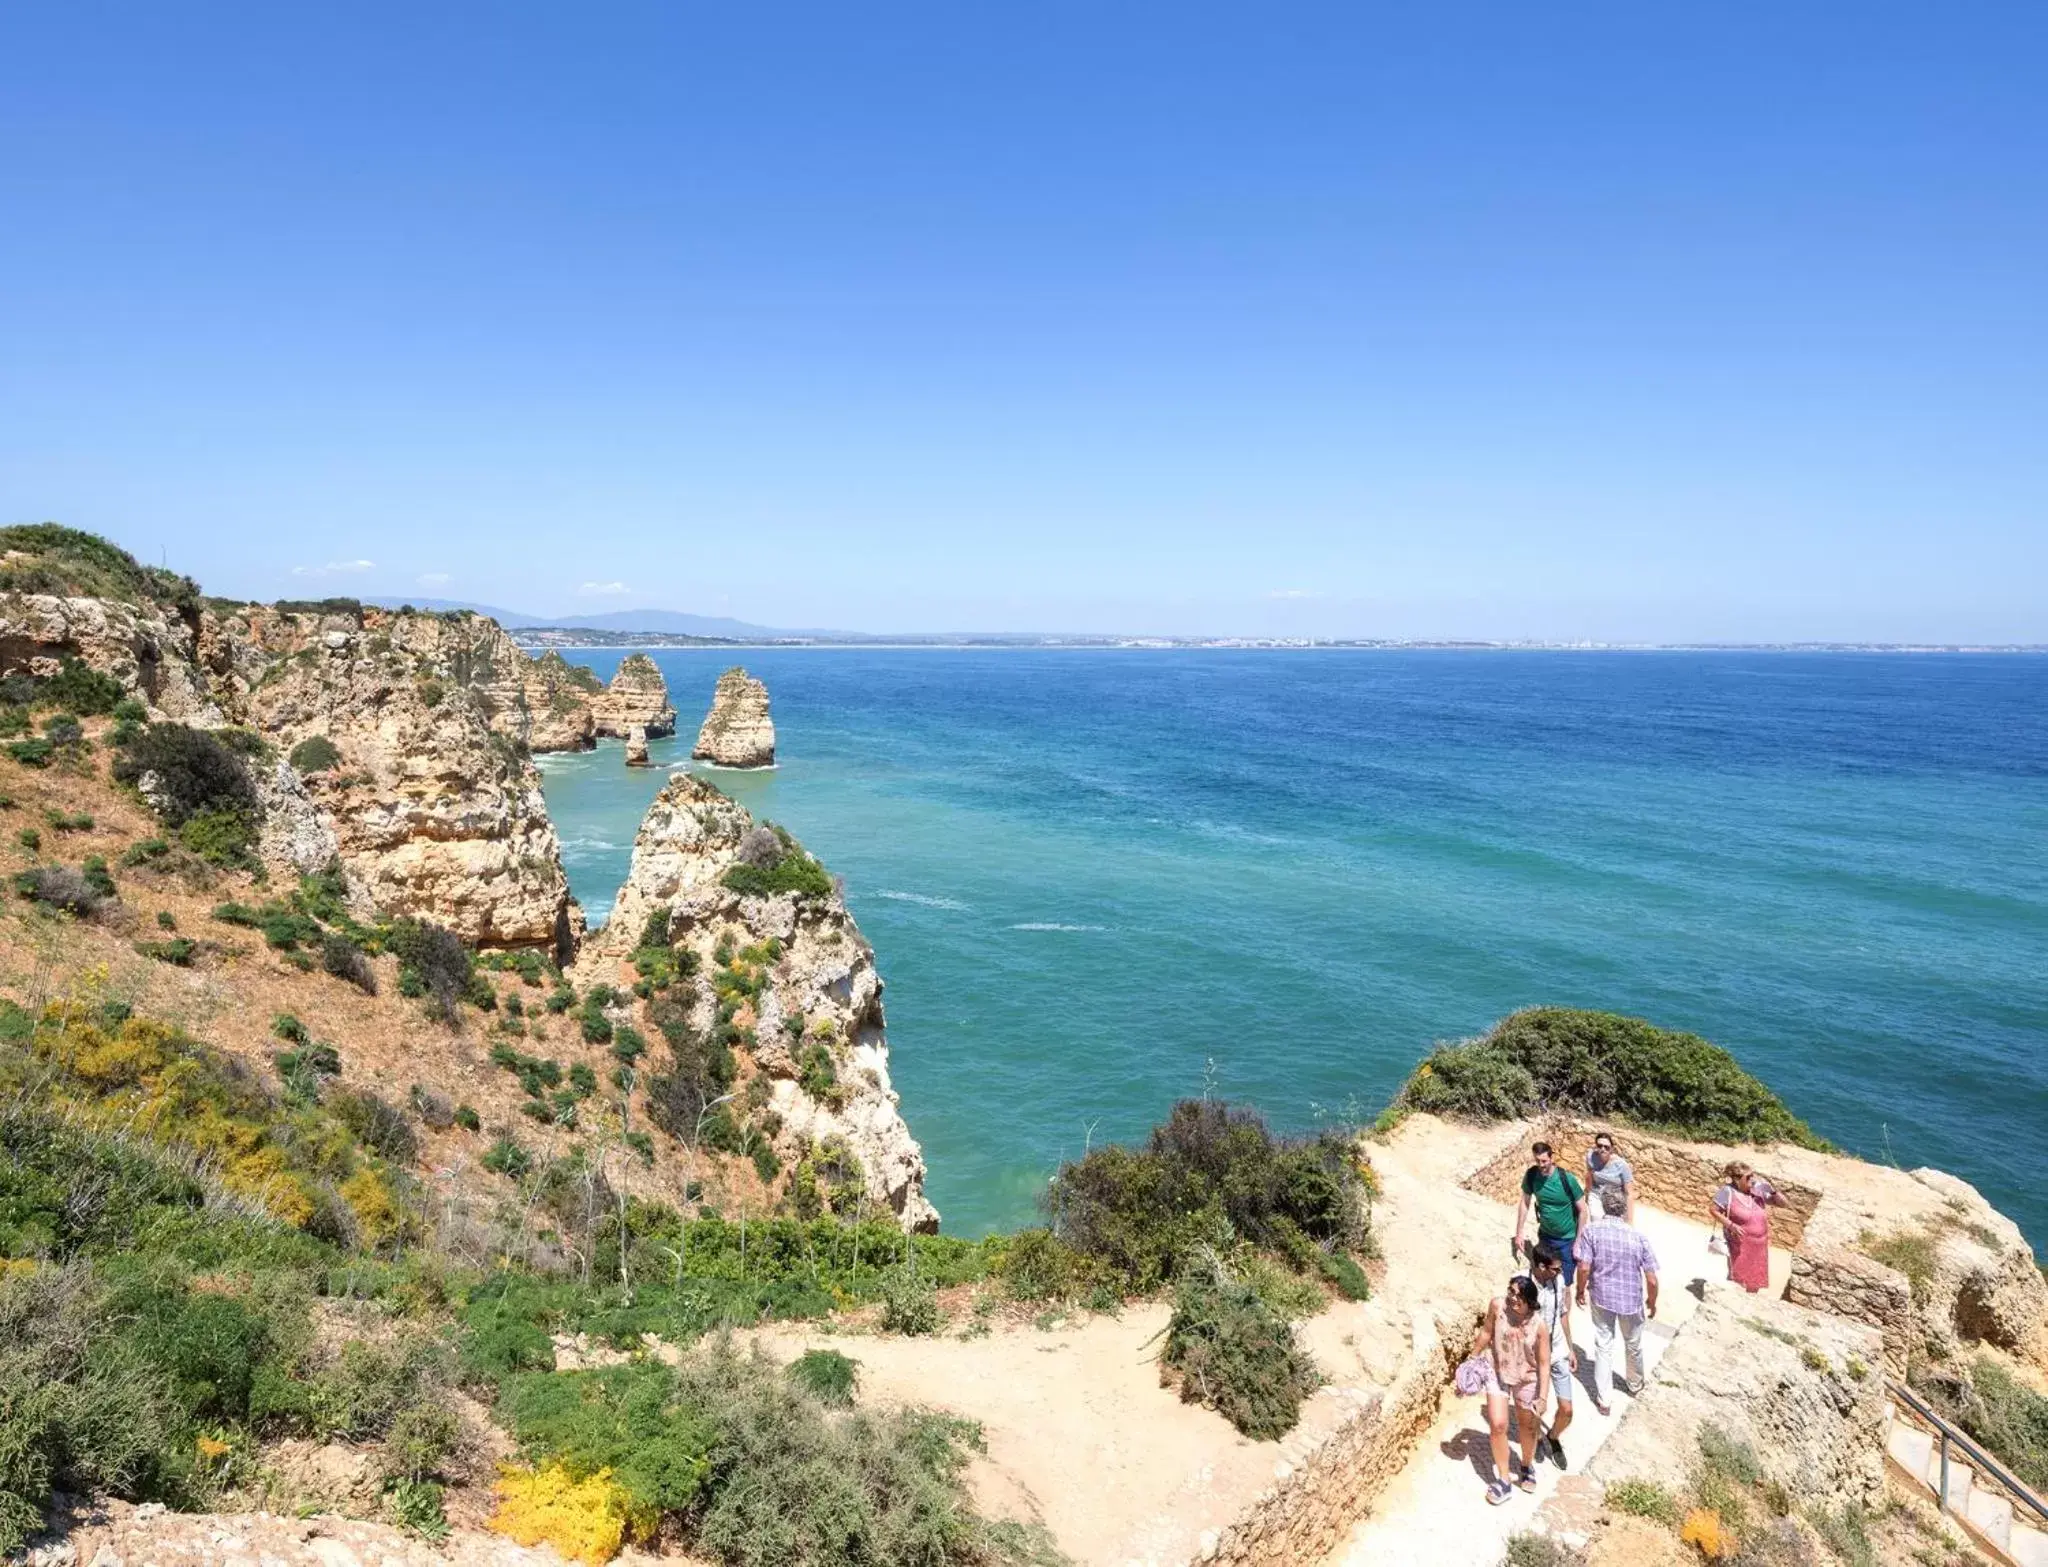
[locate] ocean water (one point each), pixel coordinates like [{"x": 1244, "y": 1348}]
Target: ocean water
[{"x": 1096, "y": 881}]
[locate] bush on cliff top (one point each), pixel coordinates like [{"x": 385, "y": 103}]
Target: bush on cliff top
[
  {"x": 760, "y": 872},
  {"x": 1600, "y": 1063},
  {"x": 1209, "y": 1176},
  {"x": 50, "y": 558}
]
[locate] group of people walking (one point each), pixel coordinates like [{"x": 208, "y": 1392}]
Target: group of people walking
[{"x": 1586, "y": 1252}]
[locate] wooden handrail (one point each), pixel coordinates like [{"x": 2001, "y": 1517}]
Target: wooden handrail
[{"x": 1983, "y": 1460}]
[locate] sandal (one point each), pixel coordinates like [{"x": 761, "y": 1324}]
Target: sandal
[
  {"x": 1526, "y": 1480},
  {"x": 1498, "y": 1491}
]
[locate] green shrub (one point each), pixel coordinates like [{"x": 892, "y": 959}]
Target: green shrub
[
  {"x": 315, "y": 754},
  {"x": 415, "y": 1505},
  {"x": 1346, "y": 1274},
  {"x": 79, "y": 689},
  {"x": 63, "y": 821},
  {"x": 467, "y": 1118},
  {"x": 1600, "y": 1063},
  {"x": 166, "y": 920},
  {"x": 59, "y": 887},
  {"x": 285, "y": 1025},
  {"x": 1210, "y": 1175},
  {"x": 345, "y": 960},
  {"x": 1911, "y": 1252},
  {"x": 179, "y": 951},
  {"x": 1235, "y": 1354},
  {"x": 31, "y": 753},
  {"x": 29, "y": 839},
  {"x": 96, "y": 876},
  {"x": 1038, "y": 1266},
  {"x": 770, "y": 875},
  {"x": 2004, "y": 1414},
  {"x": 440, "y": 966},
  {"x": 506, "y": 1157},
  {"x": 195, "y": 774},
  {"x": 376, "y": 1123},
  {"x": 145, "y": 852},
  {"x": 828, "y": 1376},
  {"x": 1644, "y": 1499},
  {"x": 910, "y": 1303},
  {"x": 225, "y": 838}
]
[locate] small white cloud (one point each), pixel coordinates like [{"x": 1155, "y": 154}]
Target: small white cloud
[
  {"x": 607, "y": 590},
  {"x": 1293, "y": 593},
  {"x": 335, "y": 568},
  {"x": 435, "y": 579}
]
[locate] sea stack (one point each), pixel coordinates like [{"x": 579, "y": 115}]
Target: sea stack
[
  {"x": 636, "y": 695},
  {"x": 737, "y": 731},
  {"x": 636, "y": 747}
]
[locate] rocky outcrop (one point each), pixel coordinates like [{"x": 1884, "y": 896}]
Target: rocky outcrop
[
  {"x": 737, "y": 731},
  {"x": 435, "y": 812},
  {"x": 816, "y": 1026},
  {"x": 1804, "y": 1390},
  {"x": 555, "y": 703},
  {"x": 149, "y": 647},
  {"x": 636, "y": 748},
  {"x": 636, "y": 698}
]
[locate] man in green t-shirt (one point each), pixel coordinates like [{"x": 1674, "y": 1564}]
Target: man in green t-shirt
[{"x": 1559, "y": 1198}]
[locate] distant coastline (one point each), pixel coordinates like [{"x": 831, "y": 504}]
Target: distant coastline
[{"x": 533, "y": 638}]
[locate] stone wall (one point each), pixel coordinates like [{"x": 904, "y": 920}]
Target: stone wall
[
  {"x": 1676, "y": 1176},
  {"x": 1313, "y": 1503},
  {"x": 1846, "y": 1283}
]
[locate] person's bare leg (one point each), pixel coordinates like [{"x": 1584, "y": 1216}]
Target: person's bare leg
[
  {"x": 1562, "y": 1423},
  {"x": 1497, "y": 1428},
  {"x": 1530, "y": 1425}
]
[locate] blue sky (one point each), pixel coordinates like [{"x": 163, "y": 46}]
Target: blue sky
[{"x": 1603, "y": 320}]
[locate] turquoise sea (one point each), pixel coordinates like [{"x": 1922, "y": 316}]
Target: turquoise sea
[{"x": 1096, "y": 881}]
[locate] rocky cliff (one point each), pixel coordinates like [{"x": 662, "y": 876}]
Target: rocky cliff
[
  {"x": 636, "y": 698},
  {"x": 434, "y": 809},
  {"x": 776, "y": 957},
  {"x": 737, "y": 731},
  {"x": 427, "y": 798}
]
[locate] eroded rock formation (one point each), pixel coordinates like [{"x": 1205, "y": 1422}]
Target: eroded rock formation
[
  {"x": 737, "y": 731},
  {"x": 814, "y": 1032},
  {"x": 636, "y": 698},
  {"x": 636, "y": 748},
  {"x": 432, "y": 807}
]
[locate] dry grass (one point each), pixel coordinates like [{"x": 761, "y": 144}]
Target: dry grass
[{"x": 236, "y": 985}]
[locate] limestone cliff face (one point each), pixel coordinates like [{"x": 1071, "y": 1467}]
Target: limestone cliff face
[
  {"x": 150, "y": 648},
  {"x": 433, "y": 809},
  {"x": 636, "y": 698},
  {"x": 737, "y": 731},
  {"x": 823, "y": 973},
  {"x": 554, "y": 705}
]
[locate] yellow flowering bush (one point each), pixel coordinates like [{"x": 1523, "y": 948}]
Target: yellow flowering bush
[{"x": 586, "y": 1520}]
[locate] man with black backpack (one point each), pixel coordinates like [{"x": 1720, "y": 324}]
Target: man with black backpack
[{"x": 1559, "y": 1198}]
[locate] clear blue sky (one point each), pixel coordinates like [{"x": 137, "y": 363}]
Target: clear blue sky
[{"x": 1602, "y": 320}]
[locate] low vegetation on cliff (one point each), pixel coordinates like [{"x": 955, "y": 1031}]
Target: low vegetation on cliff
[{"x": 1601, "y": 1063}]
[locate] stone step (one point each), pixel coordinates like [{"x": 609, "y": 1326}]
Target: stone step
[
  {"x": 1990, "y": 1514},
  {"x": 1913, "y": 1451},
  {"x": 2028, "y": 1546},
  {"x": 1959, "y": 1484}
]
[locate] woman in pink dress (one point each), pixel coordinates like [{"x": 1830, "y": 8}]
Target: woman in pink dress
[{"x": 1742, "y": 1207}]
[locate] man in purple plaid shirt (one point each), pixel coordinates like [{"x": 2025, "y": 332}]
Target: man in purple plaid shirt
[{"x": 1618, "y": 1269}]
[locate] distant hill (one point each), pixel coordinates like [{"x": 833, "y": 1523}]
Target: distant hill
[{"x": 672, "y": 622}]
